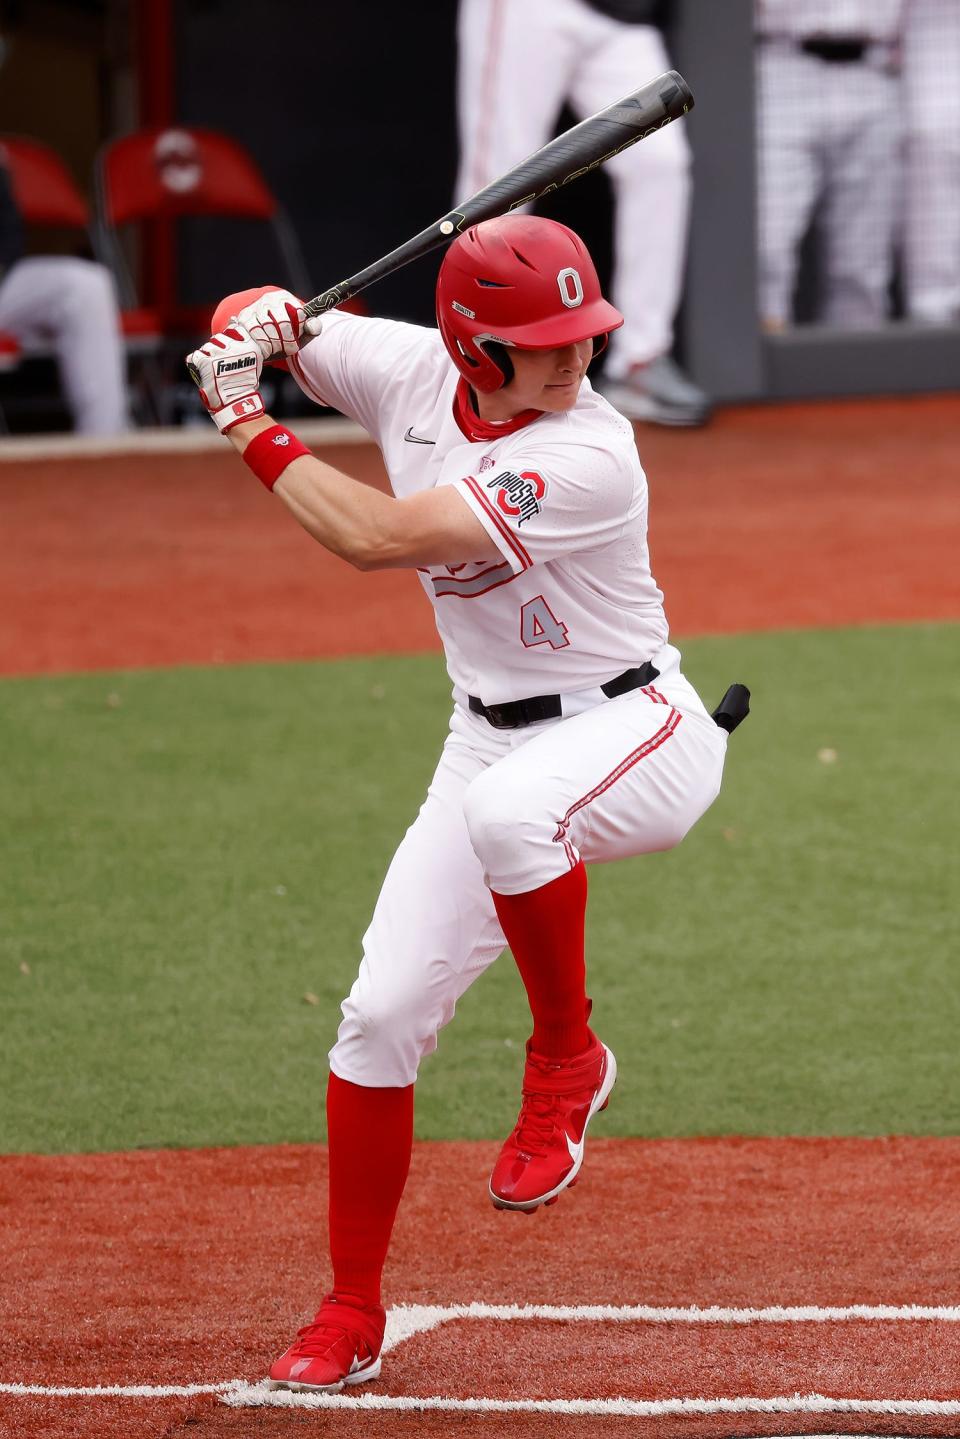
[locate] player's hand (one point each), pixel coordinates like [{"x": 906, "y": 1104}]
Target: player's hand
[
  {"x": 278, "y": 323},
  {"x": 226, "y": 371}
]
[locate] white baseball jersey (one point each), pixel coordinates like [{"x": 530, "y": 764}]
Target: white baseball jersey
[{"x": 571, "y": 601}]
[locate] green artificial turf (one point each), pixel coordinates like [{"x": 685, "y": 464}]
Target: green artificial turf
[{"x": 187, "y": 854}]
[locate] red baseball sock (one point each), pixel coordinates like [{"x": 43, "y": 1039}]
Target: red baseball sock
[
  {"x": 370, "y": 1136},
  {"x": 544, "y": 929}
]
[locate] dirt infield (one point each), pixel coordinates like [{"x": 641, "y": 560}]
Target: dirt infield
[
  {"x": 795, "y": 516},
  {"x": 198, "y": 1265}
]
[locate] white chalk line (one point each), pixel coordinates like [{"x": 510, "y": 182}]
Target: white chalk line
[
  {"x": 406, "y": 1320},
  {"x": 255, "y": 1396},
  {"x": 239, "y": 1394}
]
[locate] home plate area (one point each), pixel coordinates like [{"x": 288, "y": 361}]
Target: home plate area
[
  {"x": 697, "y": 1289},
  {"x": 858, "y": 1368}
]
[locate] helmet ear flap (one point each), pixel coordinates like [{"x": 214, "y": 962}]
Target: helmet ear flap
[
  {"x": 500, "y": 356},
  {"x": 600, "y": 343}
]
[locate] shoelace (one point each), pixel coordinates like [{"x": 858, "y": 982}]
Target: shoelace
[
  {"x": 541, "y": 1108},
  {"x": 537, "y": 1122},
  {"x": 313, "y": 1340}
]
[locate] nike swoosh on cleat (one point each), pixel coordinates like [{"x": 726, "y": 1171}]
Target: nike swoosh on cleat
[{"x": 416, "y": 439}]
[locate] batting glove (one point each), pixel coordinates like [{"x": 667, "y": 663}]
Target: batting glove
[
  {"x": 278, "y": 323},
  {"x": 226, "y": 371}
]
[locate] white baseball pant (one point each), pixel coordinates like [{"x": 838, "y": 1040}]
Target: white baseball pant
[
  {"x": 70, "y": 305},
  {"x": 511, "y": 811},
  {"x": 827, "y": 132},
  {"x": 519, "y": 60}
]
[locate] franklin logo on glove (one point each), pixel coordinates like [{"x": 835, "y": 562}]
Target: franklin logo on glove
[
  {"x": 226, "y": 371},
  {"x": 244, "y": 363}
]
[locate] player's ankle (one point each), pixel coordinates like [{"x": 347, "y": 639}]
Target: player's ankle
[{"x": 564, "y": 1040}]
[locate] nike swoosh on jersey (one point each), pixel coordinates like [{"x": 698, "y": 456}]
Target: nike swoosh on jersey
[{"x": 416, "y": 439}]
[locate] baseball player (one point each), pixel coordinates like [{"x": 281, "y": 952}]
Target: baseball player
[
  {"x": 70, "y": 303},
  {"x": 519, "y": 500},
  {"x": 589, "y": 53},
  {"x": 828, "y": 135}
]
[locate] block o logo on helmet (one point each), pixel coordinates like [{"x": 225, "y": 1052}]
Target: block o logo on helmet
[{"x": 571, "y": 287}]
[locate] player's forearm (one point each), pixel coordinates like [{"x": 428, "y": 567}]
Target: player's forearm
[{"x": 348, "y": 518}]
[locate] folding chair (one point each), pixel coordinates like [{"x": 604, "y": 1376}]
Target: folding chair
[
  {"x": 157, "y": 177},
  {"x": 45, "y": 191}
]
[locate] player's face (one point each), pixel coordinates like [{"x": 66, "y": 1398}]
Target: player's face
[{"x": 542, "y": 380}]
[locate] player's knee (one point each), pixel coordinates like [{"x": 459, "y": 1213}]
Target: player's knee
[
  {"x": 88, "y": 286},
  {"x": 384, "y": 1034},
  {"x": 504, "y": 816},
  {"x": 385, "y": 1014}
]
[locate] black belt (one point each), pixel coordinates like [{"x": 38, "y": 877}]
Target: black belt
[
  {"x": 517, "y": 713},
  {"x": 834, "y": 49}
]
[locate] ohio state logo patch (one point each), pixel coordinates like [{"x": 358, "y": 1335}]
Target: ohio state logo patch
[{"x": 518, "y": 496}]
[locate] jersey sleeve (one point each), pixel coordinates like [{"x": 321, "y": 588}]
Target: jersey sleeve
[
  {"x": 356, "y": 363},
  {"x": 554, "y": 500}
]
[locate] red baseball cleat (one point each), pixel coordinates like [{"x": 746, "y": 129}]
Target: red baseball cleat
[
  {"x": 341, "y": 1346},
  {"x": 544, "y": 1153}
]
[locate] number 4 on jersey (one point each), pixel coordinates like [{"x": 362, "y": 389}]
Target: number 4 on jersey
[{"x": 540, "y": 626}]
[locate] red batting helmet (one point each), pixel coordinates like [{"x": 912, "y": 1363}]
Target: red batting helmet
[{"x": 522, "y": 281}]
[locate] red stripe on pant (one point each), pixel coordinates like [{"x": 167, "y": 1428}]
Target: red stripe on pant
[{"x": 648, "y": 748}]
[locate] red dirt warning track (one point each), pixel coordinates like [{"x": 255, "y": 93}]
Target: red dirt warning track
[
  {"x": 794, "y": 516},
  {"x": 198, "y": 1265}
]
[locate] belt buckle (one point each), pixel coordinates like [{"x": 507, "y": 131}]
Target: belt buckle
[{"x": 494, "y": 715}]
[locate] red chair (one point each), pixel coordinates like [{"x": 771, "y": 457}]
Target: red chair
[
  {"x": 45, "y": 191},
  {"x": 155, "y": 177}
]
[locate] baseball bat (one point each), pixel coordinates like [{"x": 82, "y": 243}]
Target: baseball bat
[{"x": 581, "y": 148}]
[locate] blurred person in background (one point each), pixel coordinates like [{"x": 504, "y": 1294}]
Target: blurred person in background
[
  {"x": 69, "y": 303},
  {"x": 519, "y": 61},
  {"x": 931, "y": 85},
  {"x": 828, "y": 141}
]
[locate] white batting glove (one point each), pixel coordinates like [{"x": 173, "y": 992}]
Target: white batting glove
[
  {"x": 278, "y": 323},
  {"x": 226, "y": 371}
]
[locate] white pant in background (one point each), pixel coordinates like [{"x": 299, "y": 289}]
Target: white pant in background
[
  {"x": 827, "y": 132},
  {"x": 71, "y": 305},
  {"x": 931, "y": 84},
  {"x": 519, "y": 60},
  {"x": 515, "y": 809}
]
